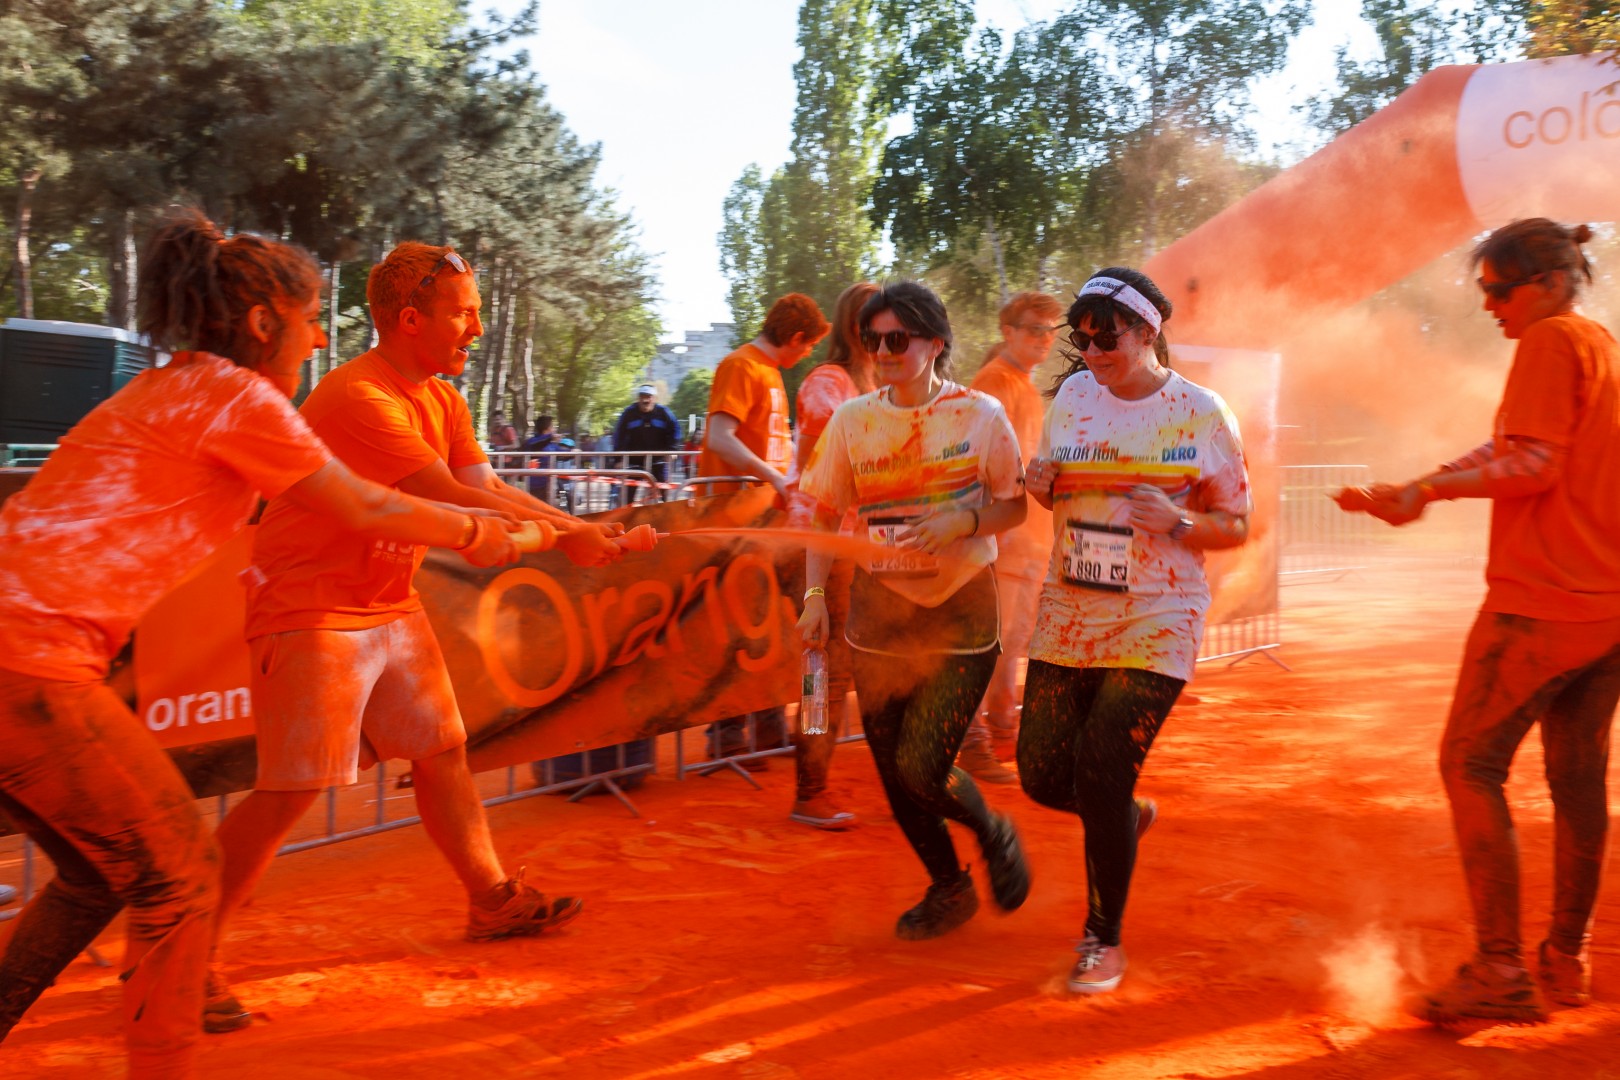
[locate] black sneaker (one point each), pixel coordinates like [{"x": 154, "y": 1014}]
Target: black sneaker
[
  {"x": 1004, "y": 858},
  {"x": 943, "y": 909}
]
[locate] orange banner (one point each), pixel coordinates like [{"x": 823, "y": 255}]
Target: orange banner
[{"x": 546, "y": 658}]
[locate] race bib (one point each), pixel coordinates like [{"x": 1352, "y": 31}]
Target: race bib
[
  {"x": 894, "y": 561},
  {"x": 1097, "y": 556}
]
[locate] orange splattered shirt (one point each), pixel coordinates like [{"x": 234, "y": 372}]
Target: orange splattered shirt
[
  {"x": 1114, "y": 596},
  {"x": 318, "y": 575},
  {"x": 893, "y": 463},
  {"x": 138, "y": 493},
  {"x": 823, "y": 390},
  {"x": 1556, "y": 555}
]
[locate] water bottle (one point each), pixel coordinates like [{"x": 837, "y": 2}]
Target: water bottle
[{"x": 813, "y": 703}]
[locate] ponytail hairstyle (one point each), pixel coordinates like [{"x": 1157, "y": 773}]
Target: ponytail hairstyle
[
  {"x": 197, "y": 286},
  {"x": 1533, "y": 246},
  {"x": 1106, "y": 311}
]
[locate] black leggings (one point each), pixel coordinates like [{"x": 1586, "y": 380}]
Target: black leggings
[
  {"x": 1084, "y": 735},
  {"x": 915, "y": 711}
]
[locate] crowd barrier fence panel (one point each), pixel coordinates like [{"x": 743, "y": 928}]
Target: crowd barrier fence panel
[{"x": 1317, "y": 540}]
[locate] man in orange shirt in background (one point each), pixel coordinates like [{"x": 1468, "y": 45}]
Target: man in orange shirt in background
[
  {"x": 344, "y": 661},
  {"x": 747, "y": 435},
  {"x": 1029, "y": 326}
]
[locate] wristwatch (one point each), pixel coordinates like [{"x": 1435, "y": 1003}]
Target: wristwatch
[{"x": 1181, "y": 528}]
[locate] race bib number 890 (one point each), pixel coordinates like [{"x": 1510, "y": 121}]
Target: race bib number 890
[{"x": 1097, "y": 556}]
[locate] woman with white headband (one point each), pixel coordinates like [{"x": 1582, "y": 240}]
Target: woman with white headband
[{"x": 1143, "y": 470}]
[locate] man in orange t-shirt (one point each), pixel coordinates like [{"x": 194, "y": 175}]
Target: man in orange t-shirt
[
  {"x": 344, "y": 661},
  {"x": 747, "y": 435},
  {"x": 1029, "y": 326}
]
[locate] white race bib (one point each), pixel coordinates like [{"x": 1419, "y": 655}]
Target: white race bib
[
  {"x": 1097, "y": 556},
  {"x": 895, "y": 561}
]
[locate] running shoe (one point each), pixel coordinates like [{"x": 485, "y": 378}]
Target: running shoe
[
  {"x": 1004, "y": 858},
  {"x": 1482, "y": 991},
  {"x": 1565, "y": 979},
  {"x": 1147, "y": 812},
  {"x": 222, "y": 1011},
  {"x": 820, "y": 813},
  {"x": 526, "y": 911},
  {"x": 1099, "y": 967},
  {"x": 944, "y": 907}
]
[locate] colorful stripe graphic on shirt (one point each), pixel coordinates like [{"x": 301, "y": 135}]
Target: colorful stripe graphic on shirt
[{"x": 1117, "y": 477}]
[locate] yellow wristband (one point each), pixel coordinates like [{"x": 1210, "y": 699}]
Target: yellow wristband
[
  {"x": 468, "y": 534},
  {"x": 814, "y": 590},
  {"x": 1428, "y": 491}
]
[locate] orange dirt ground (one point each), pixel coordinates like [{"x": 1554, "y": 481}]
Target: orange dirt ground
[{"x": 1302, "y": 877}]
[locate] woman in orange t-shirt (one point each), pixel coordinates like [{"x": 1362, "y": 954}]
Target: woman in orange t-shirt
[
  {"x": 139, "y": 492},
  {"x": 1545, "y": 647}
]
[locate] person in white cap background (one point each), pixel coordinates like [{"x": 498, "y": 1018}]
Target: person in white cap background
[{"x": 650, "y": 428}]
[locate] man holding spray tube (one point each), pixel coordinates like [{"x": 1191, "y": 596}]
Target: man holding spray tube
[{"x": 344, "y": 662}]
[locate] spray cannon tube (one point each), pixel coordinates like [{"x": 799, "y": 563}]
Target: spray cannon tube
[
  {"x": 535, "y": 536},
  {"x": 640, "y": 538}
]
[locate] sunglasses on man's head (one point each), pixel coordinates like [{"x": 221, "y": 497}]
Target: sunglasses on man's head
[
  {"x": 450, "y": 259},
  {"x": 1501, "y": 290},
  {"x": 896, "y": 341}
]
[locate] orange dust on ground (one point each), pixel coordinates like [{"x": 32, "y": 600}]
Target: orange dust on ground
[{"x": 1301, "y": 879}]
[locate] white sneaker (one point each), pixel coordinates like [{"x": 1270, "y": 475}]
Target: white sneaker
[{"x": 1099, "y": 968}]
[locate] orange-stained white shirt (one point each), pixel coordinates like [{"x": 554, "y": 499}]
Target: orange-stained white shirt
[
  {"x": 137, "y": 494},
  {"x": 894, "y": 463},
  {"x": 318, "y": 575},
  {"x": 1117, "y": 596}
]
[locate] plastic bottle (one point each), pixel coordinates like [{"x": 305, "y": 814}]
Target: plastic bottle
[{"x": 813, "y": 703}]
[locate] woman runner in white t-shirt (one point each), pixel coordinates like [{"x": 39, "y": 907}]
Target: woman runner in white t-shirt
[
  {"x": 933, "y": 472},
  {"x": 1143, "y": 470}
]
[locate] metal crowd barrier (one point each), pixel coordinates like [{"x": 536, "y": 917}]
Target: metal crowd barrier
[
  {"x": 1315, "y": 538},
  {"x": 24, "y": 455}
]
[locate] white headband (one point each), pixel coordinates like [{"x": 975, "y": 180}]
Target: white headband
[{"x": 1115, "y": 289}]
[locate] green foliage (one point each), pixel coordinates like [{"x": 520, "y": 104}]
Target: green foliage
[
  {"x": 1414, "y": 38},
  {"x": 691, "y": 398},
  {"x": 345, "y": 126},
  {"x": 807, "y": 228}
]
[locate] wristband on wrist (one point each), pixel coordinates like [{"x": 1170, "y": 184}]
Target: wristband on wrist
[
  {"x": 1427, "y": 490},
  {"x": 814, "y": 590},
  {"x": 469, "y": 533},
  {"x": 975, "y": 530},
  {"x": 1181, "y": 528}
]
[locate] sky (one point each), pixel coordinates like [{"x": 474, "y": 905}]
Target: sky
[{"x": 682, "y": 95}]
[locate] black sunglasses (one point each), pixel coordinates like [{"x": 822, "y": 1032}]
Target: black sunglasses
[
  {"x": 1501, "y": 290},
  {"x": 450, "y": 259},
  {"x": 1107, "y": 340},
  {"x": 896, "y": 341}
]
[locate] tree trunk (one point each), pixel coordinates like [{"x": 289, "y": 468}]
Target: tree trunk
[
  {"x": 26, "y": 184},
  {"x": 523, "y": 370},
  {"x": 333, "y": 279},
  {"x": 996, "y": 253},
  {"x": 121, "y": 271},
  {"x": 503, "y": 342}
]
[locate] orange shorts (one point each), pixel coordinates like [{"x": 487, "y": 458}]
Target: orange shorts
[{"x": 324, "y": 698}]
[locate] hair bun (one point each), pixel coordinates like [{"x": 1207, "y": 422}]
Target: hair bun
[{"x": 1581, "y": 233}]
